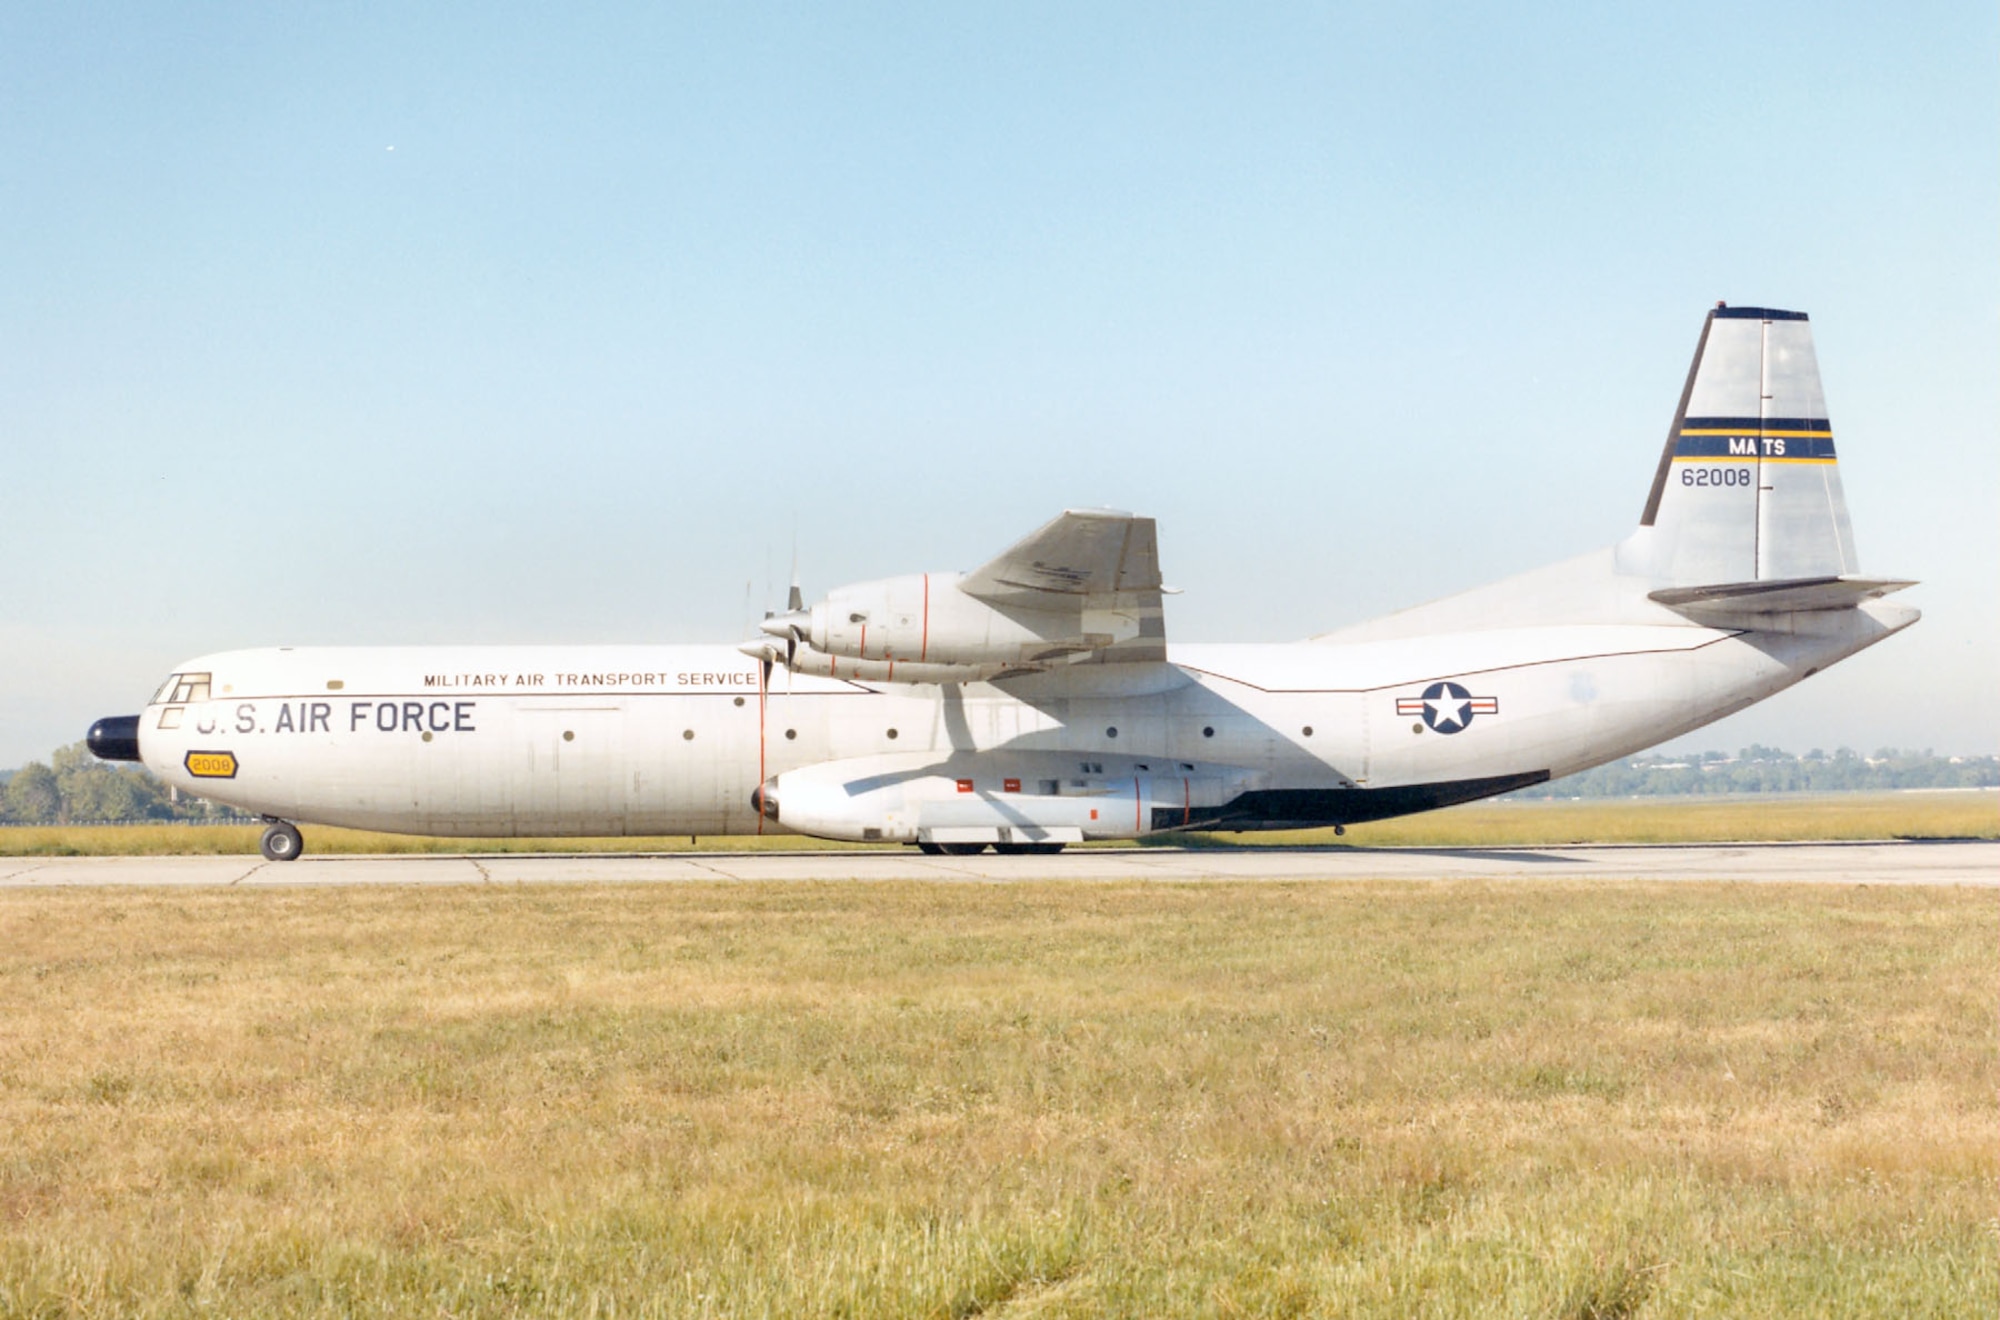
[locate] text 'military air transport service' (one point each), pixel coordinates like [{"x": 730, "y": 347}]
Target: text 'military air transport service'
[{"x": 1035, "y": 701}]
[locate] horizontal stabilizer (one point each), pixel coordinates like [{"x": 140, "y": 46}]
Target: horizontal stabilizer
[{"x": 1777, "y": 596}]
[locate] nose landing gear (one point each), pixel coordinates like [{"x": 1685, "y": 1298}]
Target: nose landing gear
[{"x": 281, "y": 842}]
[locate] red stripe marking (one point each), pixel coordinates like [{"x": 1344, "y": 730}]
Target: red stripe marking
[
  {"x": 1138, "y": 803},
  {"x": 1187, "y": 801},
  {"x": 760, "y": 745}
]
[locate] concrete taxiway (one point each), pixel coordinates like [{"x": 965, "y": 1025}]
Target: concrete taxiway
[{"x": 1940, "y": 863}]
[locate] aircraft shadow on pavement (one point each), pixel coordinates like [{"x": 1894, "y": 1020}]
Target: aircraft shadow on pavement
[{"x": 1356, "y": 850}]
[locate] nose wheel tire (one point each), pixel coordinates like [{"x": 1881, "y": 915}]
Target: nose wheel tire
[{"x": 281, "y": 842}]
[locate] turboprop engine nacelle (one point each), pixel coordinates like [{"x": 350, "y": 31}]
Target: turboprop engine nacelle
[
  {"x": 1024, "y": 797},
  {"x": 925, "y": 618}
]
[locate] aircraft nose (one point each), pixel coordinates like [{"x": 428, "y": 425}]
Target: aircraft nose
[{"x": 114, "y": 738}]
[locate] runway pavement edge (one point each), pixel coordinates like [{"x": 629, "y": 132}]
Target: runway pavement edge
[{"x": 1949, "y": 862}]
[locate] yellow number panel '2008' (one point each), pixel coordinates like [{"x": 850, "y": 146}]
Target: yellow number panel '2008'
[{"x": 211, "y": 765}]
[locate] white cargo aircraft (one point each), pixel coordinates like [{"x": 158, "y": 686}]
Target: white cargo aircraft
[{"x": 1034, "y": 701}]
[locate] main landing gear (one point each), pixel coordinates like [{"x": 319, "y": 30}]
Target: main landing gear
[
  {"x": 281, "y": 842},
  {"x": 930, "y": 849}
]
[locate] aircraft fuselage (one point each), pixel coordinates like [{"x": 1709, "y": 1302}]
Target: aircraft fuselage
[{"x": 641, "y": 740}]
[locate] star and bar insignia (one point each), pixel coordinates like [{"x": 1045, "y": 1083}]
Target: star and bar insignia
[{"x": 1446, "y": 707}]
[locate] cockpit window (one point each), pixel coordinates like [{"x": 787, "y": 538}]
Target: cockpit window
[{"x": 179, "y": 689}]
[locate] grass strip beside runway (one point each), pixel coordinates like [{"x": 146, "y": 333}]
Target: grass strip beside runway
[{"x": 1453, "y": 1099}]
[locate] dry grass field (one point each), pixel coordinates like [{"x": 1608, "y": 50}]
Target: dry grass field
[
  {"x": 1550, "y": 1100},
  {"x": 1913, "y": 815}
]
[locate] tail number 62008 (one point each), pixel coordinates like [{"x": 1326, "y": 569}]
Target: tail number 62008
[{"x": 1731, "y": 475}]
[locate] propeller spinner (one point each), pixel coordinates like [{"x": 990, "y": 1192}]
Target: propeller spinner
[{"x": 793, "y": 626}]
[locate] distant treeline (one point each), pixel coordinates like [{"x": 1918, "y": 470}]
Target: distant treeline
[
  {"x": 1758, "y": 769},
  {"x": 75, "y": 787}
]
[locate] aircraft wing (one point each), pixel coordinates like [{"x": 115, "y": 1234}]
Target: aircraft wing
[
  {"x": 1098, "y": 563},
  {"x": 1080, "y": 552}
]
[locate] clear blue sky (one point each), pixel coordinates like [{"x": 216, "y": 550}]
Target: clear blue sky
[{"x": 352, "y": 323}]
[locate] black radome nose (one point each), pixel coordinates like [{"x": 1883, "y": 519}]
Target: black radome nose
[{"x": 114, "y": 738}]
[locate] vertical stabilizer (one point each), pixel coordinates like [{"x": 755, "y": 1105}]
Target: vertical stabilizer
[{"x": 1748, "y": 488}]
